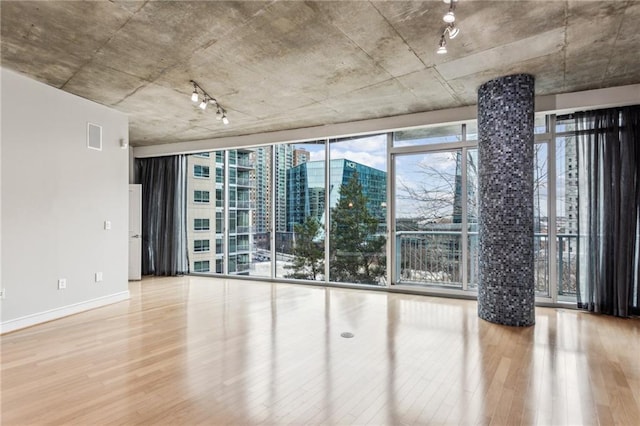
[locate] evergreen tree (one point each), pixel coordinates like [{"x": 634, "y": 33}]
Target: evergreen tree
[
  {"x": 308, "y": 260},
  {"x": 356, "y": 252}
]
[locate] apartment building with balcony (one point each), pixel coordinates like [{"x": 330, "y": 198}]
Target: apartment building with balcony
[{"x": 220, "y": 215}]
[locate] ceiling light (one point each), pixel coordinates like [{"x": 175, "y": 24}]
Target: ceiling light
[
  {"x": 442, "y": 47},
  {"x": 450, "y": 29},
  {"x": 453, "y": 31},
  {"x": 200, "y": 94},
  {"x": 449, "y": 17},
  {"x": 194, "y": 95}
]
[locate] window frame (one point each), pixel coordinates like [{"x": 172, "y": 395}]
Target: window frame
[{"x": 205, "y": 245}]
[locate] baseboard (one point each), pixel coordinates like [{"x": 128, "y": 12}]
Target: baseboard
[{"x": 33, "y": 319}]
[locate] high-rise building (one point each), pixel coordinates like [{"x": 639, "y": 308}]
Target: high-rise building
[
  {"x": 571, "y": 186},
  {"x": 206, "y": 211},
  {"x": 284, "y": 162},
  {"x": 262, "y": 174},
  {"x": 301, "y": 155},
  {"x": 261, "y": 196},
  {"x": 306, "y": 189}
]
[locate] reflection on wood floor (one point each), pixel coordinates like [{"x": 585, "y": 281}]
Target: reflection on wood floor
[{"x": 203, "y": 350}]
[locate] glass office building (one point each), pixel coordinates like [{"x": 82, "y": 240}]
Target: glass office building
[{"x": 306, "y": 189}]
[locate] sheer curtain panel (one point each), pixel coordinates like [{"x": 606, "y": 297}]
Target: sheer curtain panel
[
  {"x": 164, "y": 215},
  {"x": 609, "y": 210}
]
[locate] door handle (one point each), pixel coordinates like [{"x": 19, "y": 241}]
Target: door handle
[{"x": 135, "y": 236}]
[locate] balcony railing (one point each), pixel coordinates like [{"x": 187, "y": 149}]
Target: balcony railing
[
  {"x": 243, "y": 229},
  {"x": 242, "y": 248},
  {"x": 244, "y": 204},
  {"x": 245, "y": 162},
  {"x": 435, "y": 258},
  {"x": 567, "y": 249},
  {"x": 242, "y": 267},
  {"x": 429, "y": 257}
]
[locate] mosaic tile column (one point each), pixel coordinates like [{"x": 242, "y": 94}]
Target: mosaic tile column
[{"x": 505, "y": 124}]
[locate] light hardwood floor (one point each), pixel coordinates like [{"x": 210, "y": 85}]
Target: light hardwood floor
[{"x": 209, "y": 351}]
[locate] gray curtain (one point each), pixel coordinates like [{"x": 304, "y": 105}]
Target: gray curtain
[
  {"x": 609, "y": 210},
  {"x": 164, "y": 215}
]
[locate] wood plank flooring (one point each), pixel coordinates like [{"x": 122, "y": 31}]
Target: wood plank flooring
[{"x": 196, "y": 350}]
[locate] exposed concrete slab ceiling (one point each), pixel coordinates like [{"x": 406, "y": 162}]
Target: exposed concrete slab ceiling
[{"x": 283, "y": 64}]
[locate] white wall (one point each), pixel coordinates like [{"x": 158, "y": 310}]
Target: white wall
[{"x": 56, "y": 195}]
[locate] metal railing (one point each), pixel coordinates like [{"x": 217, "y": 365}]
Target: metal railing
[
  {"x": 245, "y": 162},
  {"x": 429, "y": 257},
  {"x": 435, "y": 258},
  {"x": 244, "y": 204},
  {"x": 243, "y": 229},
  {"x": 242, "y": 248},
  {"x": 241, "y": 267},
  {"x": 567, "y": 249}
]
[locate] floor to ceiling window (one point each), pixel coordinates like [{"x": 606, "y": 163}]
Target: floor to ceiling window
[
  {"x": 221, "y": 215},
  {"x": 300, "y": 210},
  {"x": 566, "y": 209},
  {"x": 357, "y": 206},
  {"x": 541, "y": 219},
  {"x": 435, "y": 207},
  {"x": 320, "y": 211}
]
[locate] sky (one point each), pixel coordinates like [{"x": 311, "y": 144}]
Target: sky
[{"x": 369, "y": 150}]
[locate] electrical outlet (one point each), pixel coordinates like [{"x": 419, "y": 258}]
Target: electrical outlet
[
  {"x": 3, "y": 293},
  {"x": 62, "y": 283},
  {"x": 107, "y": 225},
  {"x": 98, "y": 277}
]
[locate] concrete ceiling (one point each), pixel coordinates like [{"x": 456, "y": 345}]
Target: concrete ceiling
[{"x": 281, "y": 65}]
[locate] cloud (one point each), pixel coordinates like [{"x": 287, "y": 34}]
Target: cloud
[
  {"x": 370, "y": 151},
  {"x": 375, "y": 143},
  {"x": 317, "y": 155}
]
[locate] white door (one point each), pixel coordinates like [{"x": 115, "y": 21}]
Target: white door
[{"x": 135, "y": 232}]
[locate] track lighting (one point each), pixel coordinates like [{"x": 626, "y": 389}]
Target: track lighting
[
  {"x": 198, "y": 91},
  {"x": 450, "y": 30},
  {"x": 442, "y": 47},
  {"x": 453, "y": 30}
]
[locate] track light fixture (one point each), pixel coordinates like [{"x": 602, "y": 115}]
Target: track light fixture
[
  {"x": 198, "y": 92},
  {"x": 442, "y": 46},
  {"x": 451, "y": 30},
  {"x": 450, "y": 16}
]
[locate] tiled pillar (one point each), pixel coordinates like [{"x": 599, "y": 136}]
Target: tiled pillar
[{"x": 505, "y": 124}]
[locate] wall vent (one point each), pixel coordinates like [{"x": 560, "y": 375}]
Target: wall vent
[{"x": 94, "y": 136}]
